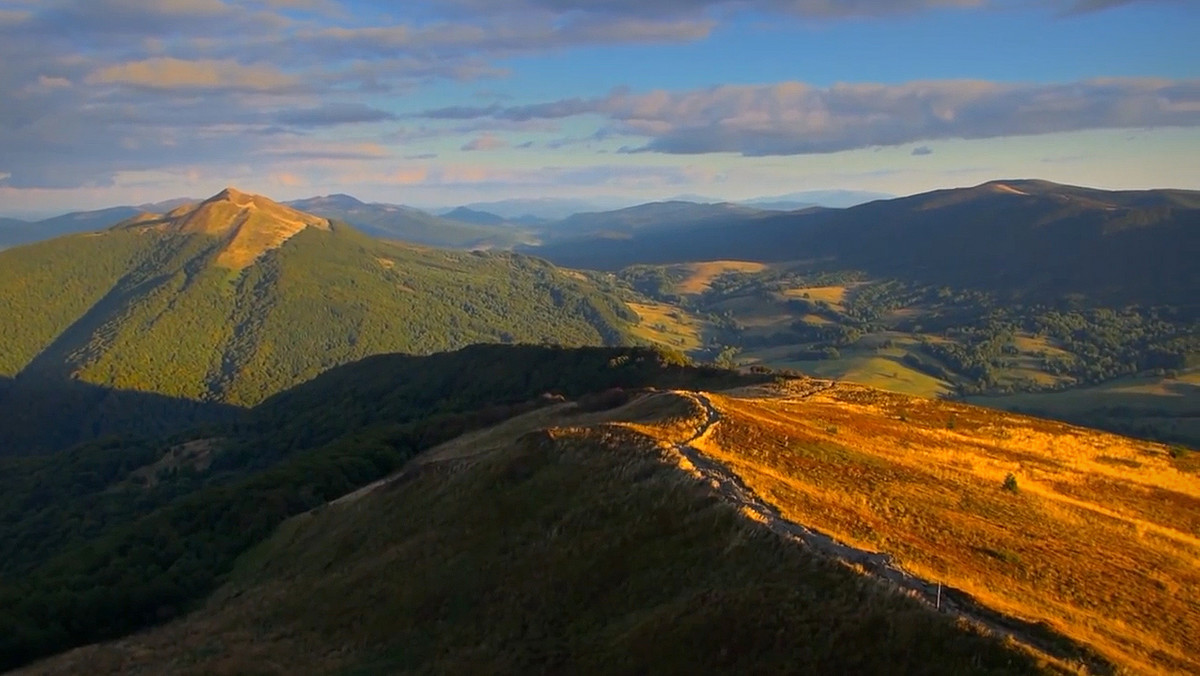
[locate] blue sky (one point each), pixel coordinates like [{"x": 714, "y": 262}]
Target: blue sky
[{"x": 442, "y": 102}]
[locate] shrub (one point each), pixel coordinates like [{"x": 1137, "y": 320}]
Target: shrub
[{"x": 1010, "y": 482}]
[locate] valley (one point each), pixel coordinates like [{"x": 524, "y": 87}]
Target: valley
[
  {"x": 210, "y": 411},
  {"x": 599, "y": 337}
]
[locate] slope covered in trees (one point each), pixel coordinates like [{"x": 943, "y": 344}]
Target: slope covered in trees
[{"x": 237, "y": 298}]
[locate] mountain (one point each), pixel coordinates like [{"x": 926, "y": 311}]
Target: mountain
[
  {"x": 391, "y": 221},
  {"x": 465, "y": 215},
  {"x": 236, "y": 298},
  {"x": 546, "y": 208},
  {"x": 1031, "y": 238},
  {"x": 167, "y": 205},
  {"x": 693, "y": 520},
  {"x": 834, "y": 199},
  {"x": 200, "y": 498},
  {"x": 655, "y": 216}
]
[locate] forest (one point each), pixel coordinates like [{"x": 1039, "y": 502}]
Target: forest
[{"x": 119, "y": 534}]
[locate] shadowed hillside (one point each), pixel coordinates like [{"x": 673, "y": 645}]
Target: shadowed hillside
[
  {"x": 1029, "y": 238},
  {"x": 581, "y": 549},
  {"x": 119, "y": 534}
]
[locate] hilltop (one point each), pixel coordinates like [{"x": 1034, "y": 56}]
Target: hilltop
[
  {"x": 799, "y": 526},
  {"x": 248, "y": 225},
  {"x": 237, "y": 297}
]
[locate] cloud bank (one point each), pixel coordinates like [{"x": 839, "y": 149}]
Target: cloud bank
[
  {"x": 94, "y": 89},
  {"x": 792, "y": 118}
]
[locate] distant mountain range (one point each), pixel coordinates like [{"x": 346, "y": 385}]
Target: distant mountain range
[
  {"x": 1023, "y": 236},
  {"x": 501, "y": 224},
  {"x": 468, "y": 230}
]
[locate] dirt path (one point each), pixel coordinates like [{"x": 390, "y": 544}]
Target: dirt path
[{"x": 879, "y": 565}]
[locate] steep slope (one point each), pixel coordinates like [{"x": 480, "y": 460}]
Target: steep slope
[
  {"x": 1029, "y": 238},
  {"x": 392, "y": 221},
  {"x": 237, "y": 298},
  {"x": 580, "y": 549}
]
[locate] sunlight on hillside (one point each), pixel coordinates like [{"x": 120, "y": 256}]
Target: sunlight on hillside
[
  {"x": 1100, "y": 538},
  {"x": 701, "y": 275},
  {"x": 663, "y": 324}
]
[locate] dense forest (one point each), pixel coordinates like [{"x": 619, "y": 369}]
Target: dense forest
[{"x": 151, "y": 310}]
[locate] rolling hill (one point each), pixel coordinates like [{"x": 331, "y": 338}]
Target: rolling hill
[
  {"x": 1030, "y": 239},
  {"x": 801, "y": 526},
  {"x": 236, "y": 298}
]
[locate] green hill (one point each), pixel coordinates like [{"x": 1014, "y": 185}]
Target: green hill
[{"x": 237, "y": 298}]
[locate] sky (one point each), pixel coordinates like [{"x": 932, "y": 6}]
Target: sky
[{"x": 445, "y": 102}]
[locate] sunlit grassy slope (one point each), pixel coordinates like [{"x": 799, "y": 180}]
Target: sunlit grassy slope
[
  {"x": 1168, "y": 405},
  {"x": 662, "y": 324},
  {"x": 1100, "y": 540},
  {"x": 584, "y": 548}
]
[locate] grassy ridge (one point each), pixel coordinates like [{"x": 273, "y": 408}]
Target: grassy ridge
[
  {"x": 579, "y": 551},
  {"x": 1095, "y": 535},
  {"x": 91, "y": 548}
]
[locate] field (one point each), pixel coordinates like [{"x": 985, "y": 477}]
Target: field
[{"x": 1163, "y": 406}]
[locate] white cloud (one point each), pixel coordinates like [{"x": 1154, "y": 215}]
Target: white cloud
[{"x": 792, "y": 118}]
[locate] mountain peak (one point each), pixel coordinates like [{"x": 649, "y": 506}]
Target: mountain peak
[
  {"x": 251, "y": 225},
  {"x": 231, "y": 194}
]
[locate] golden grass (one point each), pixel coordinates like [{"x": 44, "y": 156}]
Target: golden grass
[
  {"x": 251, "y": 225},
  {"x": 701, "y": 275},
  {"x": 885, "y": 372},
  {"x": 834, "y": 295},
  {"x": 1101, "y": 541},
  {"x": 1174, "y": 395},
  {"x": 673, "y": 327}
]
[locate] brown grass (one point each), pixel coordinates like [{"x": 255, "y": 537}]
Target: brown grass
[
  {"x": 1101, "y": 541},
  {"x": 700, "y": 275}
]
